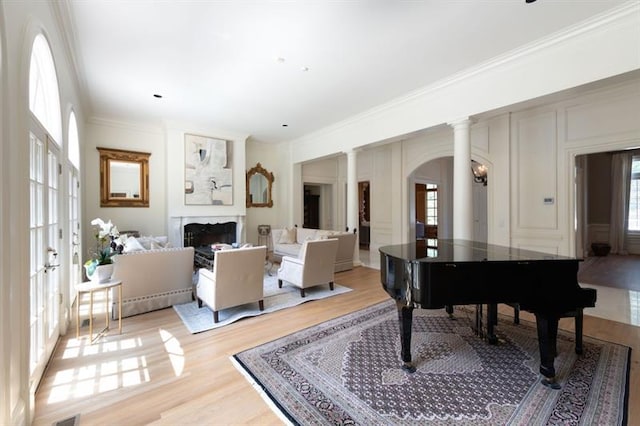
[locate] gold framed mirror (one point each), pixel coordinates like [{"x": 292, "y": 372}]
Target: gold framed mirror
[
  {"x": 124, "y": 178},
  {"x": 259, "y": 183}
]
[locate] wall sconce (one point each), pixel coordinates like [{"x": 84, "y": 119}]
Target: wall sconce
[{"x": 479, "y": 172}]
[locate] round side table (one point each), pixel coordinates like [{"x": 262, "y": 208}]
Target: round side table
[{"x": 92, "y": 287}]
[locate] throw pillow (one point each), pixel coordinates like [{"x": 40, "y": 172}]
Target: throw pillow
[
  {"x": 151, "y": 242},
  {"x": 132, "y": 244},
  {"x": 288, "y": 236}
]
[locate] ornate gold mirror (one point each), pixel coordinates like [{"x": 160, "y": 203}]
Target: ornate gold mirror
[
  {"x": 124, "y": 178},
  {"x": 259, "y": 182}
]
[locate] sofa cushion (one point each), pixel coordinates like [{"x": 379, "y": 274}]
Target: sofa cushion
[
  {"x": 288, "y": 236},
  {"x": 289, "y": 249}
]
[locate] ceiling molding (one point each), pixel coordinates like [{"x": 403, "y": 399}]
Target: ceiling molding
[
  {"x": 126, "y": 125},
  {"x": 67, "y": 32},
  {"x": 614, "y": 17}
]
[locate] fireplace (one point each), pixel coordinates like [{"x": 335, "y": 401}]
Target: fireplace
[
  {"x": 199, "y": 234},
  {"x": 178, "y": 224}
]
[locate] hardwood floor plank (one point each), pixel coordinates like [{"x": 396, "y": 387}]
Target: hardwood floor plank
[{"x": 158, "y": 373}]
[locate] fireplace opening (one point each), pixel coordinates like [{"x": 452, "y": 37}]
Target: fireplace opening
[{"x": 199, "y": 234}]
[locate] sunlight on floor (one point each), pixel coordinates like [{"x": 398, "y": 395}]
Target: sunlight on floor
[
  {"x": 175, "y": 351},
  {"x": 634, "y": 304},
  {"x": 100, "y": 373},
  {"x": 100, "y": 376}
]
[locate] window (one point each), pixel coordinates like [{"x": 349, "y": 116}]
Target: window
[
  {"x": 45, "y": 189},
  {"x": 634, "y": 195},
  {"x": 44, "y": 98},
  {"x": 431, "y": 215},
  {"x": 432, "y": 204},
  {"x": 73, "y": 142}
]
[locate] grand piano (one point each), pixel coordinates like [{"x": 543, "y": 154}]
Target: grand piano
[{"x": 463, "y": 272}]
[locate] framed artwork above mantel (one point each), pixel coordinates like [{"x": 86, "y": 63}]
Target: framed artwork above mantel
[{"x": 208, "y": 171}]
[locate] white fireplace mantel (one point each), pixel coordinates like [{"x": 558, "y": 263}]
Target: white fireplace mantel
[{"x": 177, "y": 223}]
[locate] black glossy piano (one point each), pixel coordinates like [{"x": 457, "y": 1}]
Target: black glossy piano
[{"x": 463, "y": 272}]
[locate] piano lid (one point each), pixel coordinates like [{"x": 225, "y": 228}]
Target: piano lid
[{"x": 448, "y": 250}]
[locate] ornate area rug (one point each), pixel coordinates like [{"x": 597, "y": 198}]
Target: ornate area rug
[
  {"x": 348, "y": 371},
  {"x": 198, "y": 320}
]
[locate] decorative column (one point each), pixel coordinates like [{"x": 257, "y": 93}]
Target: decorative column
[
  {"x": 352, "y": 200},
  {"x": 462, "y": 182}
]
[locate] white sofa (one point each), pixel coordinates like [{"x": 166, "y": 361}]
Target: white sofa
[
  {"x": 153, "y": 279},
  {"x": 283, "y": 246}
]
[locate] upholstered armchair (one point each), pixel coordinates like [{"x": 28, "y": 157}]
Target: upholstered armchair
[
  {"x": 314, "y": 265},
  {"x": 237, "y": 278}
]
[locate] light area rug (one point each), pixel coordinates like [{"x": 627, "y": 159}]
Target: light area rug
[
  {"x": 198, "y": 320},
  {"x": 348, "y": 371}
]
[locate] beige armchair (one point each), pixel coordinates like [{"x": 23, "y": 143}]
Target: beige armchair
[
  {"x": 314, "y": 266},
  {"x": 237, "y": 278}
]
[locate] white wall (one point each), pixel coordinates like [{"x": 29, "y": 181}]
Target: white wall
[
  {"x": 150, "y": 220},
  {"x": 530, "y": 154},
  {"x": 270, "y": 157}
]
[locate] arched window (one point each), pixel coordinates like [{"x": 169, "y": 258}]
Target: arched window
[
  {"x": 44, "y": 101},
  {"x": 73, "y": 142}
]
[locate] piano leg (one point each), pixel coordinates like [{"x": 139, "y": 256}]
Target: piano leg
[
  {"x": 492, "y": 321},
  {"x": 579, "y": 321},
  {"x": 547, "y": 325},
  {"x": 449, "y": 310},
  {"x": 405, "y": 318}
]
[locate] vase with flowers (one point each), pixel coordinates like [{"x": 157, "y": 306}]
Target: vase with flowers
[{"x": 108, "y": 244}]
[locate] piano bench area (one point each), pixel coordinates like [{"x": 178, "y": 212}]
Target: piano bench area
[{"x": 589, "y": 296}]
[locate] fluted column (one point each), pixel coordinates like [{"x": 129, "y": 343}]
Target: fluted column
[
  {"x": 462, "y": 182},
  {"x": 352, "y": 199}
]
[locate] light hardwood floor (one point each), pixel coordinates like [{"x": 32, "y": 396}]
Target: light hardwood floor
[{"x": 156, "y": 372}]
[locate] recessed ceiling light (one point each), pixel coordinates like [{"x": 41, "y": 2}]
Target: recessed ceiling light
[
  {"x": 280, "y": 59},
  {"x": 304, "y": 69},
  {"x": 157, "y": 96}
]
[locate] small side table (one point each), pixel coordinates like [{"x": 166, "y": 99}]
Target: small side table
[{"x": 92, "y": 287}]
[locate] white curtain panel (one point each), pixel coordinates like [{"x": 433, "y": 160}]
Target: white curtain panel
[{"x": 620, "y": 181}]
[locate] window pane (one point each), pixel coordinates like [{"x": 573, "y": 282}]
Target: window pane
[{"x": 634, "y": 201}]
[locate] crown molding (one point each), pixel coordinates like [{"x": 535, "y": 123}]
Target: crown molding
[
  {"x": 66, "y": 24},
  {"x": 126, "y": 125},
  {"x": 614, "y": 17}
]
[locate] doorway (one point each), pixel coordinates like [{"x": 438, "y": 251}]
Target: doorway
[
  {"x": 44, "y": 240},
  {"x": 364, "y": 209},
  {"x": 426, "y": 214},
  {"x": 311, "y": 217}
]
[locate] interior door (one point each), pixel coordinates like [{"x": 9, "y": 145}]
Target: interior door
[
  {"x": 480, "y": 229},
  {"x": 44, "y": 237}
]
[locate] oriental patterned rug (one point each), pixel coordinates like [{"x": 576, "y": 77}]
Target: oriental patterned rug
[{"x": 348, "y": 371}]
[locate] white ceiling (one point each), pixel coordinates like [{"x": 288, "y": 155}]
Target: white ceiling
[{"x": 216, "y": 62}]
